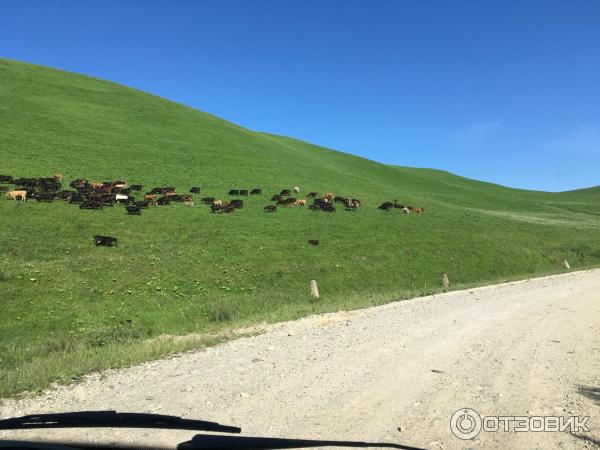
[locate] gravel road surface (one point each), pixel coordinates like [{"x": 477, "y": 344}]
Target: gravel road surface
[{"x": 394, "y": 373}]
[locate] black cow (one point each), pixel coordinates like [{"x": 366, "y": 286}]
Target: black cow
[
  {"x": 77, "y": 198},
  {"x": 314, "y": 207},
  {"x": 290, "y": 200},
  {"x": 398, "y": 206},
  {"x": 270, "y": 208},
  {"x": 46, "y": 185},
  {"x": 163, "y": 201},
  {"x": 276, "y": 198},
  {"x": 136, "y": 187},
  {"x": 328, "y": 207},
  {"x": 312, "y": 194},
  {"x": 90, "y": 205},
  {"x": 222, "y": 208},
  {"x": 65, "y": 195},
  {"x": 244, "y": 192},
  {"x": 142, "y": 204},
  {"x": 387, "y": 206},
  {"x": 207, "y": 200},
  {"x": 6, "y": 179},
  {"x": 234, "y": 192},
  {"x": 195, "y": 190},
  {"x": 134, "y": 210},
  {"x": 105, "y": 241},
  {"x": 237, "y": 203},
  {"x": 228, "y": 208},
  {"x": 45, "y": 196},
  {"x": 339, "y": 199},
  {"x": 313, "y": 241},
  {"x": 256, "y": 191},
  {"x": 285, "y": 192}
]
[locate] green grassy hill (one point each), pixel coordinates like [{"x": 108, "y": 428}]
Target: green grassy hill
[{"x": 67, "y": 307}]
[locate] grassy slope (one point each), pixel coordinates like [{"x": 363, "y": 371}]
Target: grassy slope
[{"x": 65, "y": 305}]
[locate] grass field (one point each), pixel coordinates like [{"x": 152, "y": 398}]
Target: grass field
[{"x": 68, "y": 307}]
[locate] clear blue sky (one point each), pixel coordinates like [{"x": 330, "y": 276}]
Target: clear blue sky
[{"x": 503, "y": 91}]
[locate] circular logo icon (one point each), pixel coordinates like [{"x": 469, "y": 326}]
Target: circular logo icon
[{"x": 465, "y": 423}]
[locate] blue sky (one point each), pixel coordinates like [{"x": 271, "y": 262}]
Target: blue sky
[{"x": 503, "y": 91}]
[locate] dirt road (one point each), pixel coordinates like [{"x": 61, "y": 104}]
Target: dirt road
[{"x": 395, "y": 373}]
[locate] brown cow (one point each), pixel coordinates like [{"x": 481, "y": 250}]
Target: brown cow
[
  {"x": 329, "y": 196},
  {"x": 96, "y": 185},
  {"x": 17, "y": 195},
  {"x": 300, "y": 203},
  {"x": 419, "y": 210},
  {"x": 150, "y": 197}
]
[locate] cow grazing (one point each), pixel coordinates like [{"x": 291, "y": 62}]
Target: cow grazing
[
  {"x": 150, "y": 197},
  {"x": 219, "y": 208},
  {"x": 419, "y": 210},
  {"x": 244, "y": 192},
  {"x": 77, "y": 198},
  {"x": 296, "y": 189},
  {"x": 17, "y": 195},
  {"x": 105, "y": 241},
  {"x": 386, "y": 206},
  {"x": 276, "y": 198},
  {"x": 163, "y": 201},
  {"x": 44, "y": 197},
  {"x": 270, "y": 208},
  {"x": 313, "y": 241},
  {"x": 234, "y": 192},
  {"x": 136, "y": 187},
  {"x": 207, "y": 200},
  {"x": 352, "y": 204},
  {"x": 300, "y": 203},
  {"x": 285, "y": 193},
  {"x": 90, "y": 205},
  {"x": 398, "y": 206},
  {"x": 405, "y": 210},
  {"x": 256, "y": 191},
  {"x": 65, "y": 195},
  {"x": 142, "y": 204},
  {"x": 328, "y": 207},
  {"x": 314, "y": 207},
  {"x": 119, "y": 183},
  {"x": 290, "y": 201},
  {"x": 237, "y": 204},
  {"x": 312, "y": 194},
  {"x": 195, "y": 190},
  {"x": 134, "y": 210},
  {"x": 6, "y": 179}
]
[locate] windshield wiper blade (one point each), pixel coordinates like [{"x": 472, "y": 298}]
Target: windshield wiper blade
[
  {"x": 112, "y": 419},
  {"x": 225, "y": 442}
]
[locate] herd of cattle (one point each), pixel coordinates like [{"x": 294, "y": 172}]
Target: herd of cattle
[{"x": 95, "y": 195}]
